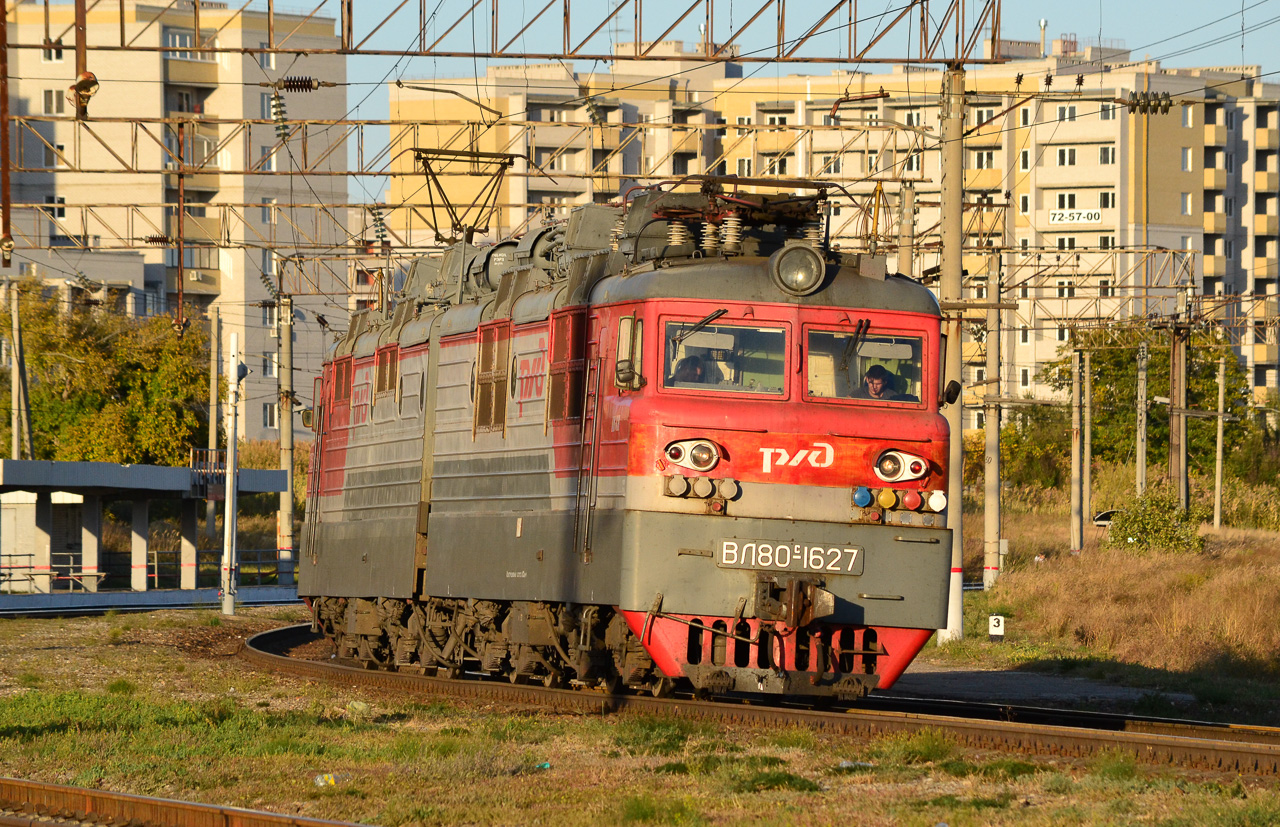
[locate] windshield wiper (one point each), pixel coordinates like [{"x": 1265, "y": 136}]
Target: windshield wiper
[{"x": 679, "y": 338}]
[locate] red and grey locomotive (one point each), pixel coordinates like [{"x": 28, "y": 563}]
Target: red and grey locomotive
[{"x": 676, "y": 440}]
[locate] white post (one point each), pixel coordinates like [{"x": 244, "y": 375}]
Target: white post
[
  {"x": 229, "y": 516},
  {"x": 1217, "y": 465}
]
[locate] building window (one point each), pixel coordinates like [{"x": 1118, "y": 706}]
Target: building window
[
  {"x": 984, "y": 159},
  {"x": 1024, "y": 292},
  {"x": 1186, "y": 203},
  {"x": 1229, "y": 248},
  {"x": 777, "y": 165},
  {"x": 1024, "y": 243},
  {"x": 268, "y": 268},
  {"x": 1108, "y": 112},
  {"x": 913, "y": 119},
  {"x": 269, "y": 410},
  {"x": 1066, "y": 113},
  {"x": 777, "y": 120},
  {"x": 1107, "y": 242},
  {"x": 1025, "y": 116},
  {"x": 1231, "y": 205},
  {"x": 744, "y": 167},
  {"x": 264, "y": 106},
  {"x": 1106, "y": 289},
  {"x": 1231, "y": 162},
  {"x": 1187, "y": 160},
  {"x": 59, "y": 206},
  {"x": 1066, "y": 289},
  {"x": 1024, "y": 335},
  {"x": 1188, "y": 119},
  {"x": 51, "y": 55},
  {"x": 1066, "y": 156},
  {"x": 1024, "y": 204},
  {"x": 1186, "y": 242},
  {"x": 743, "y": 122},
  {"x": 269, "y": 362},
  {"x": 1062, "y": 334},
  {"x": 1066, "y": 200},
  {"x": 181, "y": 45},
  {"x": 1024, "y": 160},
  {"x": 1106, "y": 155},
  {"x": 827, "y": 120},
  {"x": 268, "y": 211},
  {"x": 54, "y": 156},
  {"x": 55, "y": 103},
  {"x": 829, "y": 165},
  {"x": 1066, "y": 242},
  {"x": 914, "y": 163},
  {"x": 1024, "y": 378},
  {"x": 267, "y": 60},
  {"x": 268, "y": 163},
  {"x": 1231, "y": 119},
  {"x": 1106, "y": 200}
]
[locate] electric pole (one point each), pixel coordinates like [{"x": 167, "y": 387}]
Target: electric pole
[
  {"x": 991, "y": 561},
  {"x": 1180, "y": 335},
  {"x": 952, "y": 209},
  {"x": 906, "y": 230},
  {"x": 215, "y": 339},
  {"x": 1077, "y": 520},
  {"x": 1086, "y": 461},
  {"x": 284, "y": 520},
  {"x": 235, "y": 373},
  {"x": 1217, "y": 464},
  {"x": 1141, "y": 478}
]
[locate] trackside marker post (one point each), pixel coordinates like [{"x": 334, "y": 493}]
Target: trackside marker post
[{"x": 995, "y": 628}]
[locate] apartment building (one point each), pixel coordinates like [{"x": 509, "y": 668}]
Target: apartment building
[
  {"x": 87, "y": 190},
  {"x": 1077, "y": 209}
]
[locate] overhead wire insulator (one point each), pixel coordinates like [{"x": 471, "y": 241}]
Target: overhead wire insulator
[
  {"x": 299, "y": 84},
  {"x": 379, "y": 223},
  {"x": 158, "y": 240},
  {"x": 278, "y": 115}
]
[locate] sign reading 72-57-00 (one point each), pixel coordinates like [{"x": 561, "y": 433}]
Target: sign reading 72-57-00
[{"x": 1075, "y": 216}]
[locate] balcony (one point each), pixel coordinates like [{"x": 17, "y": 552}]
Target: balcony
[
  {"x": 974, "y": 353},
  {"x": 1215, "y": 266},
  {"x": 686, "y": 141},
  {"x": 1215, "y": 223},
  {"x": 1266, "y": 354},
  {"x": 1266, "y": 309},
  {"x": 1266, "y": 181},
  {"x": 196, "y": 228},
  {"x": 191, "y": 72},
  {"x": 1266, "y": 225},
  {"x": 1266, "y": 139},
  {"x": 1264, "y": 267},
  {"x": 200, "y": 282},
  {"x": 1215, "y": 179},
  {"x": 988, "y": 222},
  {"x": 984, "y": 179},
  {"x": 1215, "y": 134}
]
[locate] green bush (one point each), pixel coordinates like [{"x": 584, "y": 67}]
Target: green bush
[{"x": 1156, "y": 520}]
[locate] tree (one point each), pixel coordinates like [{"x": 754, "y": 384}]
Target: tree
[
  {"x": 108, "y": 388},
  {"x": 1115, "y": 392}
]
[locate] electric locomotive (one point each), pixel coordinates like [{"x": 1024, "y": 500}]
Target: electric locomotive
[{"x": 674, "y": 440}]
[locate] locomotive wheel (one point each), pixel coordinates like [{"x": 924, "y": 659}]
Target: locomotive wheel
[
  {"x": 449, "y": 672},
  {"x": 551, "y": 680},
  {"x": 662, "y": 687}
]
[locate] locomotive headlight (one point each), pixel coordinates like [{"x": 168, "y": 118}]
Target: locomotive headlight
[
  {"x": 698, "y": 454},
  {"x": 897, "y": 466},
  {"x": 797, "y": 269}
]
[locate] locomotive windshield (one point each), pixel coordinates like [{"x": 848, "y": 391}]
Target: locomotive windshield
[
  {"x": 736, "y": 358},
  {"x": 845, "y": 365}
]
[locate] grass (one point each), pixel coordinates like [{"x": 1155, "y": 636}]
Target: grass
[{"x": 217, "y": 732}]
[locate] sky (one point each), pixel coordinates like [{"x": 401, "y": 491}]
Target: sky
[{"x": 1177, "y": 32}]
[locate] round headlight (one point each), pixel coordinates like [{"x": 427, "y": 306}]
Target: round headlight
[
  {"x": 702, "y": 456},
  {"x": 889, "y": 466},
  {"x": 797, "y": 269}
]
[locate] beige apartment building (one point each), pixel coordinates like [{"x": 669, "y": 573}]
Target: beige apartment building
[
  {"x": 83, "y": 192},
  {"x": 1078, "y": 210}
]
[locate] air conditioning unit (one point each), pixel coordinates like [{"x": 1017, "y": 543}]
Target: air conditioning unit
[{"x": 195, "y": 275}]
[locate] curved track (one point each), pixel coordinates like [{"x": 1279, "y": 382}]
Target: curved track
[{"x": 1223, "y": 748}]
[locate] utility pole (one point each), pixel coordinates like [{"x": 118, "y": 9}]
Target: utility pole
[
  {"x": 1086, "y": 461},
  {"x": 15, "y": 391},
  {"x": 906, "y": 230},
  {"x": 1180, "y": 334},
  {"x": 6, "y": 203},
  {"x": 1217, "y": 463},
  {"x": 284, "y": 520},
  {"x": 215, "y": 338},
  {"x": 1141, "y": 478},
  {"x": 952, "y": 209},
  {"x": 991, "y": 561},
  {"x": 235, "y": 373},
  {"x": 1077, "y": 516}
]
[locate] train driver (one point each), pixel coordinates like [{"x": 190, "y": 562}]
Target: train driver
[
  {"x": 689, "y": 369},
  {"x": 877, "y": 384}
]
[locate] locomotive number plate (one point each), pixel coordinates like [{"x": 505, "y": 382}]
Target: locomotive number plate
[{"x": 736, "y": 553}]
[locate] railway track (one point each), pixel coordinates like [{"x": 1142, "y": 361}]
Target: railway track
[
  {"x": 34, "y": 804},
  {"x": 1225, "y": 748}
]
